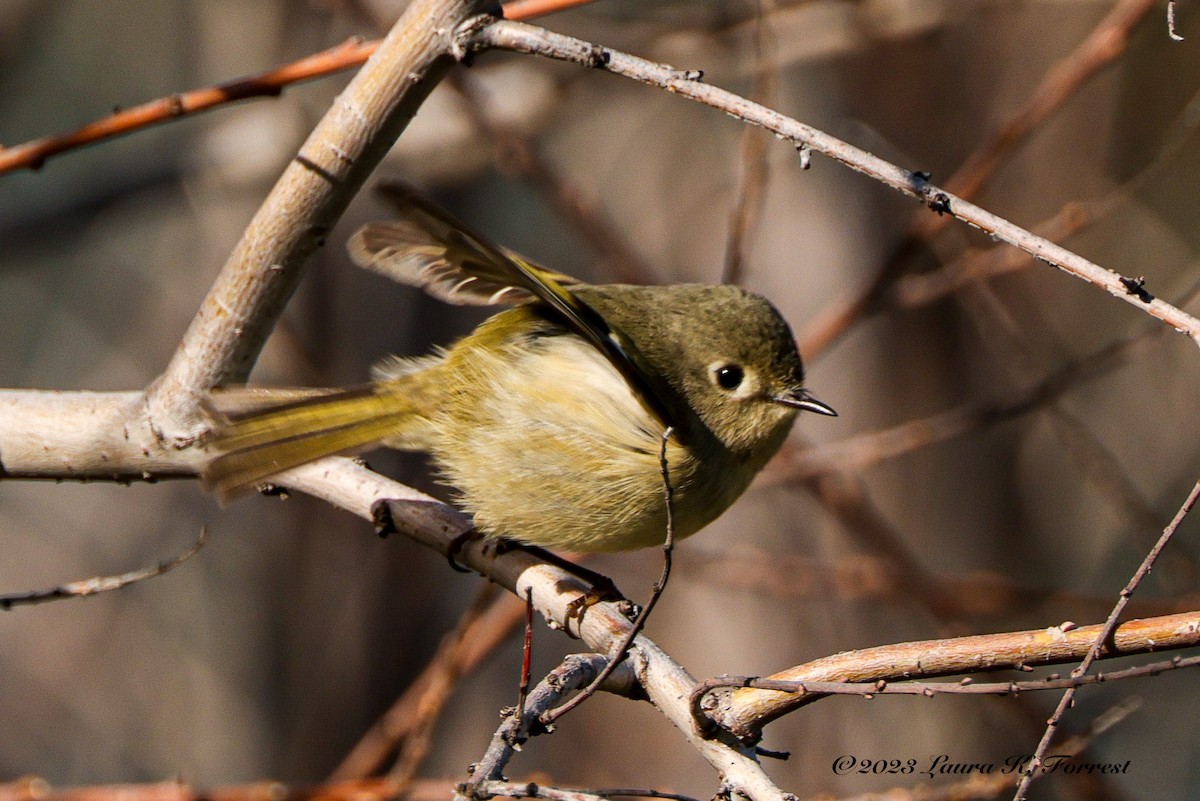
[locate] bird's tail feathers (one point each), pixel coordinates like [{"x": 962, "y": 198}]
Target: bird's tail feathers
[{"x": 254, "y": 445}]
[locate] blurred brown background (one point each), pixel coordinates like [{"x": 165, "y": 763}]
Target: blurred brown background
[{"x": 270, "y": 653}]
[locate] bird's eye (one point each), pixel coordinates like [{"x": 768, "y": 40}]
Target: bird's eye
[{"x": 729, "y": 376}]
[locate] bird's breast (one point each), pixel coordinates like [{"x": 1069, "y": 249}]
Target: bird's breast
[{"x": 558, "y": 451}]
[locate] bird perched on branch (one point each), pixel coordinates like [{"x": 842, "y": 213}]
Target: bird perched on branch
[{"x": 549, "y": 418}]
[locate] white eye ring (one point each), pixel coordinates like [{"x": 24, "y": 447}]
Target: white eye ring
[
  {"x": 729, "y": 376},
  {"x": 732, "y": 378}
]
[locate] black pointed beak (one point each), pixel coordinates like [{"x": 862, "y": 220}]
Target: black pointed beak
[{"x": 800, "y": 399}]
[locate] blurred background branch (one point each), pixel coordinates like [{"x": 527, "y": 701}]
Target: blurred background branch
[{"x": 286, "y": 642}]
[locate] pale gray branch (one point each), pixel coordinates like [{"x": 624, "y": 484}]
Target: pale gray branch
[
  {"x": 350, "y": 486},
  {"x": 136, "y": 436},
  {"x": 264, "y": 268},
  {"x": 746, "y": 711},
  {"x": 523, "y": 38},
  {"x": 576, "y": 672},
  {"x": 85, "y": 436}
]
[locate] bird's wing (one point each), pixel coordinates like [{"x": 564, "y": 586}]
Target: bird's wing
[{"x": 429, "y": 248}]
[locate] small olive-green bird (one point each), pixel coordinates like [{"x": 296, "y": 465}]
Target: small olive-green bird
[{"x": 549, "y": 418}]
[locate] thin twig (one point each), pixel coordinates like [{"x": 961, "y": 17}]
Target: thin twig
[
  {"x": 507, "y": 789},
  {"x": 33, "y": 788},
  {"x": 914, "y": 290},
  {"x": 659, "y": 587},
  {"x": 526, "y": 657},
  {"x": 524, "y": 38},
  {"x": 99, "y": 584},
  {"x": 1106, "y": 42},
  {"x": 477, "y": 635},
  {"x": 354, "y": 52},
  {"x": 1174, "y": 34},
  {"x": 441, "y": 676},
  {"x": 868, "y": 577},
  {"x": 527, "y": 9},
  {"x": 1104, "y": 638},
  {"x": 348, "y": 485},
  {"x": 752, "y": 161},
  {"x": 929, "y": 689},
  {"x": 975, "y": 264},
  {"x": 34, "y": 154},
  {"x": 867, "y": 450},
  {"x": 264, "y": 268},
  {"x": 514, "y": 153},
  {"x": 576, "y": 671},
  {"x": 1092, "y": 458},
  {"x": 744, "y": 712}
]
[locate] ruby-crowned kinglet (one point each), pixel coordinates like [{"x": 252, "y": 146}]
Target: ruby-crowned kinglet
[{"x": 548, "y": 418}]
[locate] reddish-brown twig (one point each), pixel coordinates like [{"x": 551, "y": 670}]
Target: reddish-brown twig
[
  {"x": 528, "y": 9},
  {"x": 1104, "y": 639},
  {"x": 869, "y": 449},
  {"x": 351, "y": 53},
  {"x": 478, "y": 633},
  {"x": 862, "y": 577},
  {"x": 1107, "y": 42},
  {"x": 752, "y": 157},
  {"x": 33, "y": 154},
  {"x": 515, "y": 154}
]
